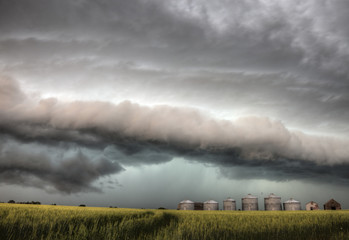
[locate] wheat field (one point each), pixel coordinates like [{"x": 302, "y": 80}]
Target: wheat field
[{"x": 62, "y": 222}]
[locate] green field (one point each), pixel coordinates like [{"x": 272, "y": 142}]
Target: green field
[{"x": 60, "y": 222}]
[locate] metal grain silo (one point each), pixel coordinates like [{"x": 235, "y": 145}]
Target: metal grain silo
[
  {"x": 210, "y": 205},
  {"x": 292, "y": 205},
  {"x": 272, "y": 203},
  {"x": 186, "y": 205},
  {"x": 249, "y": 203},
  {"x": 229, "y": 204}
]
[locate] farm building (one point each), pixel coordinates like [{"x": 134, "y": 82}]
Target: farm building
[
  {"x": 186, "y": 205},
  {"x": 312, "y": 206},
  {"x": 332, "y": 205},
  {"x": 249, "y": 203},
  {"x": 229, "y": 204},
  {"x": 292, "y": 205},
  {"x": 198, "y": 206},
  {"x": 272, "y": 203},
  {"x": 210, "y": 205}
]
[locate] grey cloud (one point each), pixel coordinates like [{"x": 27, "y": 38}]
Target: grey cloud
[
  {"x": 183, "y": 127},
  {"x": 247, "y": 36},
  {"x": 134, "y": 134},
  {"x": 282, "y": 59},
  {"x": 314, "y": 105},
  {"x": 52, "y": 171},
  {"x": 288, "y": 170},
  {"x": 126, "y": 29},
  {"x": 10, "y": 93},
  {"x": 250, "y": 35},
  {"x": 138, "y": 153},
  {"x": 30, "y": 50},
  {"x": 234, "y": 163}
]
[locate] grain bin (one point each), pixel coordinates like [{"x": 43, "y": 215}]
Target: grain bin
[
  {"x": 249, "y": 203},
  {"x": 210, "y": 205},
  {"x": 229, "y": 204},
  {"x": 186, "y": 205},
  {"x": 291, "y": 205},
  {"x": 272, "y": 203}
]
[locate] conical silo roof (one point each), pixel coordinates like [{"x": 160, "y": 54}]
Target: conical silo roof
[
  {"x": 292, "y": 201},
  {"x": 272, "y": 195},
  {"x": 186, "y": 201},
  {"x": 250, "y": 196},
  {"x": 229, "y": 200}
]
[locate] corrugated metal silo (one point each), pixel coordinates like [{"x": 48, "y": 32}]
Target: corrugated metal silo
[
  {"x": 210, "y": 205},
  {"x": 292, "y": 205},
  {"x": 186, "y": 205},
  {"x": 229, "y": 204},
  {"x": 272, "y": 203},
  {"x": 249, "y": 203}
]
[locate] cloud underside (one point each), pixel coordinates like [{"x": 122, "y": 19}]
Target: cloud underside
[
  {"x": 282, "y": 59},
  {"x": 287, "y": 60},
  {"x": 53, "y": 174},
  {"x": 67, "y": 146},
  {"x": 301, "y": 36}
]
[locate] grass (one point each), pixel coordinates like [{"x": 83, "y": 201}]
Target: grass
[{"x": 62, "y": 222}]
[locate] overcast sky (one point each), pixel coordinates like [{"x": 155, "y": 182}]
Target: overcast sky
[{"x": 146, "y": 103}]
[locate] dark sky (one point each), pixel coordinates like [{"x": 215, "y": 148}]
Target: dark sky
[{"x": 146, "y": 103}]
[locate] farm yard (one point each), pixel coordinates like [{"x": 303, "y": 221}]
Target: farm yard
[{"x": 64, "y": 222}]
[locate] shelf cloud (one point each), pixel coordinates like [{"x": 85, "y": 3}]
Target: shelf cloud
[
  {"x": 133, "y": 134},
  {"x": 94, "y": 91}
]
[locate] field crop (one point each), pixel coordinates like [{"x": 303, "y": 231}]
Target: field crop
[{"x": 61, "y": 222}]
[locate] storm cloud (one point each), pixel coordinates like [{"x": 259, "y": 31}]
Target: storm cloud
[
  {"x": 257, "y": 89},
  {"x": 285, "y": 35},
  {"x": 53, "y": 171},
  {"x": 133, "y": 134},
  {"x": 284, "y": 60}
]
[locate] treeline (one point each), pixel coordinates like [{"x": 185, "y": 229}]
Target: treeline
[{"x": 32, "y": 202}]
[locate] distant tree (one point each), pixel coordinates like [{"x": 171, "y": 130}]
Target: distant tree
[
  {"x": 161, "y": 208},
  {"x": 11, "y": 201},
  {"x": 82, "y": 205}
]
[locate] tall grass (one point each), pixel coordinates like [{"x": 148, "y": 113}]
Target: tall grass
[{"x": 60, "y": 222}]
